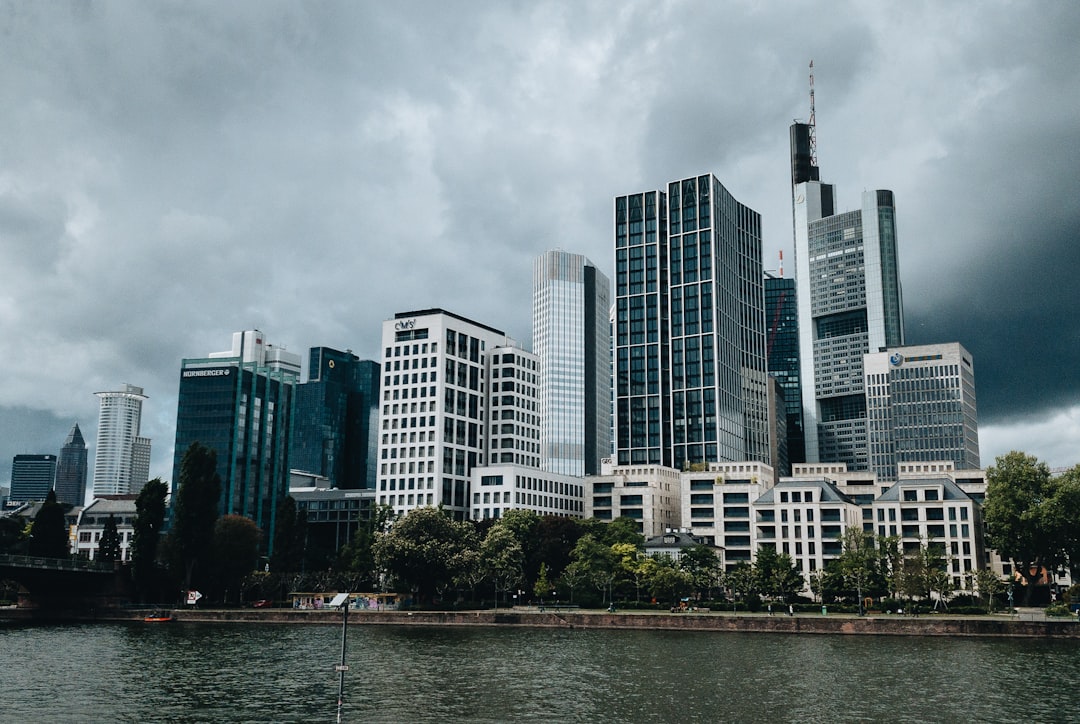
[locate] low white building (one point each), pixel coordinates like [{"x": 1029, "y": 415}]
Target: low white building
[
  {"x": 91, "y": 525},
  {"x": 648, "y": 494},
  {"x": 716, "y": 505},
  {"x": 499, "y": 488}
]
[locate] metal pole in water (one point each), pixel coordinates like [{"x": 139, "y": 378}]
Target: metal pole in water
[{"x": 342, "y": 667}]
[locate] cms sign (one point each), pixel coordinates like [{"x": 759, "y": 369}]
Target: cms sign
[{"x": 405, "y": 324}]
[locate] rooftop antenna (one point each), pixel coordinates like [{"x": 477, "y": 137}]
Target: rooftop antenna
[
  {"x": 813, "y": 122},
  {"x": 781, "y": 263}
]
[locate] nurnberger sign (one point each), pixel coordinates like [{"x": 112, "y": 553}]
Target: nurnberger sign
[{"x": 211, "y": 372}]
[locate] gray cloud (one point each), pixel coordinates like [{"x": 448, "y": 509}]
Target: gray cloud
[{"x": 171, "y": 173}]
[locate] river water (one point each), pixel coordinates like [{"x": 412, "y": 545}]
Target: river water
[{"x": 272, "y": 672}]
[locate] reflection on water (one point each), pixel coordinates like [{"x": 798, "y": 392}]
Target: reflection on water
[{"x": 226, "y": 673}]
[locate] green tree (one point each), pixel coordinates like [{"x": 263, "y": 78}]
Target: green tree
[
  {"x": 502, "y": 559},
  {"x": 599, "y": 563},
  {"x": 287, "y": 548},
  {"x": 623, "y": 530},
  {"x": 542, "y": 588},
  {"x": 573, "y": 576},
  {"x": 196, "y": 512},
  {"x": 776, "y": 574},
  {"x": 108, "y": 550},
  {"x": 703, "y": 565},
  {"x": 425, "y": 550},
  {"x": 668, "y": 582},
  {"x": 741, "y": 581},
  {"x": 236, "y": 552},
  {"x": 357, "y": 555},
  {"x": 49, "y": 534},
  {"x": 989, "y": 585},
  {"x": 858, "y": 561},
  {"x": 556, "y": 538},
  {"x": 149, "y": 519},
  {"x": 637, "y": 566},
  {"x": 1019, "y": 516},
  {"x": 1064, "y": 514}
]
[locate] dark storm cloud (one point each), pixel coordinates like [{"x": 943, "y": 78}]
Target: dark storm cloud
[{"x": 171, "y": 173}]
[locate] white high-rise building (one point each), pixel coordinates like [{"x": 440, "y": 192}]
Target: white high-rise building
[
  {"x": 444, "y": 411},
  {"x": 572, "y": 338},
  {"x": 121, "y": 457},
  {"x": 921, "y": 407},
  {"x": 849, "y": 303}
]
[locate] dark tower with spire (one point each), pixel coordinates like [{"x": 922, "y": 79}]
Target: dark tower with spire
[{"x": 71, "y": 469}]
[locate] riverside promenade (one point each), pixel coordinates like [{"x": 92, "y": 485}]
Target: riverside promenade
[{"x": 1024, "y": 624}]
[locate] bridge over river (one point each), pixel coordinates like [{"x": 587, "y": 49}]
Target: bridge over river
[{"x": 61, "y": 583}]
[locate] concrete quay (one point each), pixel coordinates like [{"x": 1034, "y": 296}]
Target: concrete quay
[{"x": 1015, "y": 626}]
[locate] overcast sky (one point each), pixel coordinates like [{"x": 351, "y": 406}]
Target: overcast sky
[{"x": 173, "y": 172}]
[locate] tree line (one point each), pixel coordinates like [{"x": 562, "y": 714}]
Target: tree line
[{"x": 1031, "y": 517}]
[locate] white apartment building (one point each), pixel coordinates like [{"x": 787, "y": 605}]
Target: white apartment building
[
  {"x": 716, "y": 505},
  {"x": 648, "y": 494},
  {"x": 439, "y": 405},
  {"x": 91, "y": 524},
  {"x": 805, "y": 519}
]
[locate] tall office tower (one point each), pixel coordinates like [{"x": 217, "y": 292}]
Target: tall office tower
[
  {"x": 921, "y": 407},
  {"x": 572, "y": 338},
  {"x": 240, "y": 404},
  {"x": 690, "y": 380},
  {"x": 121, "y": 458},
  {"x": 849, "y": 304},
  {"x": 31, "y": 477},
  {"x": 336, "y": 419},
  {"x": 782, "y": 345},
  {"x": 437, "y": 387},
  {"x": 71, "y": 469}
]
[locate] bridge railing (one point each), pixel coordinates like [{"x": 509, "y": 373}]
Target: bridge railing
[{"x": 55, "y": 564}]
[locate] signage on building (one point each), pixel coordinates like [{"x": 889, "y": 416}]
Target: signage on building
[
  {"x": 211, "y": 372},
  {"x": 405, "y": 324},
  {"x": 896, "y": 359}
]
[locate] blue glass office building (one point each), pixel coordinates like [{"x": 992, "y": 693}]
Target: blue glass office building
[
  {"x": 31, "y": 477},
  {"x": 690, "y": 358},
  {"x": 336, "y": 419},
  {"x": 243, "y": 410}
]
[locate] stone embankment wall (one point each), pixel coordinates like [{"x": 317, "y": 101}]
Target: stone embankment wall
[{"x": 936, "y": 625}]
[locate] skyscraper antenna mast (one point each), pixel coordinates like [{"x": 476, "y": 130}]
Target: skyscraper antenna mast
[{"x": 813, "y": 121}]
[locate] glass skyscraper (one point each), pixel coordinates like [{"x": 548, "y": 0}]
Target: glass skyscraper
[
  {"x": 240, "y": 404},
  {"x": 31, "y": 477},
  {"x": 336, "y": 419},
  {"x": 849, "y": 304},
  {"x": 71, "y": 469},
  {"x": 690, "y": 367},
  {"x": 782, "y": 345},
  {"x": 571, "y": 336}
]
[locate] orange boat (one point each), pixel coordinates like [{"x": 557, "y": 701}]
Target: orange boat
[{"x": 160, "y": 617}]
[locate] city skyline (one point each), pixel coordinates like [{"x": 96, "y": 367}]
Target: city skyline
[{"x": 277, "y": 187}]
